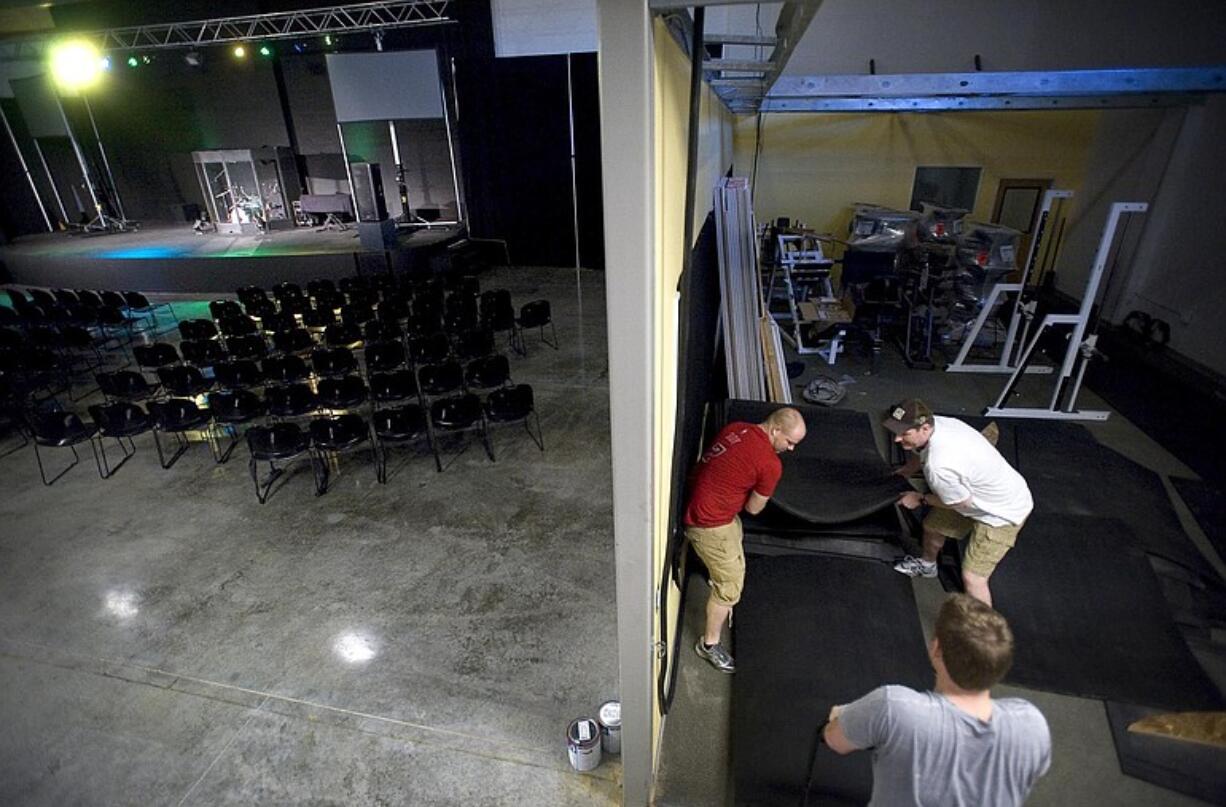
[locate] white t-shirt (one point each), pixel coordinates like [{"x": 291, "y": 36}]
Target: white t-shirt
[{"x": 960, "y": 464}]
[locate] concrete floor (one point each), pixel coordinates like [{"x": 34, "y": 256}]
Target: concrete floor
[
  {"x": 165, "y": 639},
  {"x": 695, "y": 766}
]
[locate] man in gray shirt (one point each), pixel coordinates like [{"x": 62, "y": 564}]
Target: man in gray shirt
[{"x": 954, "y": 745}]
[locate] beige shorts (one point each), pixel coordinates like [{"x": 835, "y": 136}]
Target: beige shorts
[
  {"x": 987, "y": 545},
  {"x": 720, "y": 549}
]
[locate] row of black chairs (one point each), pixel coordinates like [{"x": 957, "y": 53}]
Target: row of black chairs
[{"x": 126, "y": 310}]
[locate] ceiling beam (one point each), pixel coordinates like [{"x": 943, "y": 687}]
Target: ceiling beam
[
  {"x": 740, "y": 39},
  {"x": 964, "y": 103}
]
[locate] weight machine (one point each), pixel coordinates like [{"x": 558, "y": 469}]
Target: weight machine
[
  {"x": 804, "y": 272},
  {"x": 1081, "y": 348},
  {"x": 1022, "y": 311}
]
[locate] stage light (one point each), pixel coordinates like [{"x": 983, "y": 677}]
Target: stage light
[
  {"x": 239, "y": 52},
  {"x": 133, "y": 61},
  {"x": 328, "y": 40},
  {"x": 75, "y": 65},
  {"x": 192, "y": 57},
  {"x": 299, "y": 47},
  {"x": 105, "y": 62},
  {"x": 147, "y": 59},
  {"x": 265, "y": 50}
]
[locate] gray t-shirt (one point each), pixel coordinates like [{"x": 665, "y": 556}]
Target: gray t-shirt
[{"x": 929, "y": 752}]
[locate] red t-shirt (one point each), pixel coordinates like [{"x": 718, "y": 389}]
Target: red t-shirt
[{"x": 740, "y": 460}]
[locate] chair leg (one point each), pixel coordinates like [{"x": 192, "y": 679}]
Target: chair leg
[
  {"x": 183, "y": 446},
  {"x": 42, "y": 473},
  {"x": 484, "y": 428},
  {"x": 554, "y": 330},
  {"x": 220, "y": 456},
  {"x": 319, "y": 465},
  {"x": 105, "y": 471},
  {"x": 539, "y": 437},
  {"x": 20, "y": 433}
]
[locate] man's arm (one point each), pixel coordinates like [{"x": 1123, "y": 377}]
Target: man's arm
[
  {"x": 755, "y": 503},
  {"x": 834, "y": 736}
]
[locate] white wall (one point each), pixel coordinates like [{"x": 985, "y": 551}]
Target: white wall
[{"x": 542, "y": 27}]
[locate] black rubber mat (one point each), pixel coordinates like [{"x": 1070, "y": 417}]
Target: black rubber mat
[
  {"x": 812, "y": 632},
  {"x": 1071, "y": 473},
  {"x": 836, "y": 474},
  {"x": 1208, "y": 507},
  {"x": 1089, "y": 617},
  {"x": 1191, "y": 768}
]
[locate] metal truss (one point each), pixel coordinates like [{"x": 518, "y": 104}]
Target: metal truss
[{"x": 285, "y": 25}]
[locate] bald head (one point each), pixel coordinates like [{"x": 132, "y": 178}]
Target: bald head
[{"x": 785, "y": 427}]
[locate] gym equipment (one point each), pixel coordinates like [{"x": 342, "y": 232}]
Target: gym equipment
[
  {"x": 1022, "y": 312},
  {"x": 1081, "y": 348}
]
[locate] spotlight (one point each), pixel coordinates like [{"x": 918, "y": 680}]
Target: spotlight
[
  {"x": 239, "y": 52},
  {"x": 75, "y": 65},
  {"x": 133, "y": 61},
  {"x": 192, "y": 57},
  {"x": 299, "y": 47},
  {"x": 328, "y": 40},
  {"x": 265, "y": 50},
  {"x": 147, "y": 59},
  {"x": 105, "y": 62}
]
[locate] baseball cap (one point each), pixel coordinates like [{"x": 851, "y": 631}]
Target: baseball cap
[{"x": 909, "y": 414}]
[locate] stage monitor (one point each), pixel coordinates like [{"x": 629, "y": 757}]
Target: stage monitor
[{"x": 396, "y": 85}]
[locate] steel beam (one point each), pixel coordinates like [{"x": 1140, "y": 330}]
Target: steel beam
[
  {"x": 752, "y": 40},
  {"x": 968, "y": 103}
]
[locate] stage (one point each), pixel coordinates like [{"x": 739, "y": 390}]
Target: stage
[{"x": 176, "y": 259}]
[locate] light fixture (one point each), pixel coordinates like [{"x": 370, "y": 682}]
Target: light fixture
[
  {"x": 76, "y": 65},
  {"x": 105, "y": 62},
  {"x": 265, "y": 50},
  {"x": 239, "y": 52},
  {"x": 133, "y": 61},
  {"x": 328, "y": 40},
  {"x": 192, "y": 57}
]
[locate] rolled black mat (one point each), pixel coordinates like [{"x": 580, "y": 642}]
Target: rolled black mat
[
  {"x": 1185, "y": 767},
  {"x": 812, "y": 632},
  {"x": 1208, "y": 507},
  {"x": 1089, "y": 617}
]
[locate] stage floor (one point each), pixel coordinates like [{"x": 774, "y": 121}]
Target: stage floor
[
  {"x": 172, "y": 241},
  {"x": 176, "y": 259}
]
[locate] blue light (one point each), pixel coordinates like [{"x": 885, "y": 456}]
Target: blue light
[{"x": 147, "y": 252}]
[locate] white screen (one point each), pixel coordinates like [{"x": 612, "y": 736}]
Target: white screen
[{"x": 385, "y": 86}]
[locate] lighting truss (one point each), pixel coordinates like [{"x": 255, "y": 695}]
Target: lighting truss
[{"x": 285, "y": 25}]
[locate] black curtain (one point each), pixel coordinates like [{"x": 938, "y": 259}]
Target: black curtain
[{"x": 18, "y": 208}]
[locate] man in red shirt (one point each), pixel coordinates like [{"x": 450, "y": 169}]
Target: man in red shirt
[{"x": 738, "y": 472}]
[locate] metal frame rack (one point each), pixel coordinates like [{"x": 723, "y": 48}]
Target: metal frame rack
[{"x": 803, "y": 268}]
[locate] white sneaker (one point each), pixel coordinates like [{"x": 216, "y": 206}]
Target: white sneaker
[{"x": 912, "y": 566}]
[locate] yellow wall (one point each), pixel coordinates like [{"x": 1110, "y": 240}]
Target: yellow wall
[
  {"x": 672, "y": 109},
  {"x": 813, "y": 167}
]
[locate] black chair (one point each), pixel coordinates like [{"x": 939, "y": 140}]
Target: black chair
[
  {"x": 333, "y": 361},
  {"x": 82, "y": 347},
  {"x": 125, "y": 385},
  {"x": 59, "y": 430},
  {"x": 489, "y": 372},
  {"x": 225, "y": 309},
  {"x": 474, "y": 343},
  {"x": 232, "y": 327},
  {"x": 9, "y": 318},
  {"x": 398, "y": 385},
  {"x": 437, "y": 380},
  {"x": 183, "y": 381},
  {"x": 319, "y": 286},
  {"x": 252, "y": 346},
  {"x": 397, "y": 426},
  {"x": 352, "y": 282},
  {"x": 66, "y": 297},
  {"x": 231, "y": 409},
  {"x": 332, "y": 436},
  {"x": 11, "y": 339},
  {"x": 115, "y": 324},
  {"x": 263, "y": 309},
  {"x": 155, "y": 356},
  {"x": 498, "y": 314},
  {"x": 434, "y": 348},
  {"x": 285, "y": 369},
  {"x": 382, "y": 357},
  {"x": 342, "y": 393},
  {"x": 357, "y": 314},
  {"x": 89, "y": 299},
  {"x": 42, "y": 299},
  {"x": 139, "y": 304},
  {"x": 294, "y": 340},
  {"x": 459, "y": 321},
  {"x": 392, "y": 310},
  {"x": 279, "y": 443},
  {"x": 463, "y": 284},
  {"x": 112, "y": 299},
  {"x": 197, "y": 329},
  {"x": 277, "y": 321},
  {"x": 460, "y": 303},
  {"x": 379, "y": 331},
  {"x": 283, "y": 291},
  {"x": 319, "y": 317},
  {"x": 239, "y": 374},
  {"x": 290, "y": 400},
  {"x": 203, "y": 353},
  {"x": 294, "y": 304},
  {"x": 514, "y": 405},
  {"x": 249, "y": 294},
  {"x": 342, "y": 334},
  {"x": 537, "y": 314},
  {"x": 455, "y": 415},
  {"x": 361, "y": 298},
  {"x": 176, "y": 416},
  {"x": 328, "y": 300},
  {"x": 121, "y": 421}
]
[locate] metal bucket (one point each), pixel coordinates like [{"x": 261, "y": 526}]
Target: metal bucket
[
  {"x": 610, "y": 719},
  {"x": 583, "y": 743}
]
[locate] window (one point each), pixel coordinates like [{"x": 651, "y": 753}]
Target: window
[{"x": 948, "y": 186}]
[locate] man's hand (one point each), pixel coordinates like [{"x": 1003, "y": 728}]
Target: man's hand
[{"x": 911, "y": 499}]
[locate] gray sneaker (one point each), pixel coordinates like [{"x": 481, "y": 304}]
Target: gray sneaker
[
  {"x": 716, "y": 654},
  {"x": 912, "y": 566}
]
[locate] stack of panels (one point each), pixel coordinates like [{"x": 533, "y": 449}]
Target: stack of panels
[{"x": 740, "y": 289}]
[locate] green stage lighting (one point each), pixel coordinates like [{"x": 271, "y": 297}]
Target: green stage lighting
[
  {"x": 133, "y": 61},
  {"x": 265, "y": 50},
  {"x": 76, "y": 65}
]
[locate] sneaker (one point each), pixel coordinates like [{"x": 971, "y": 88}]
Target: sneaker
[
  {"x": 717, "y": 655},
  {"x": 912, "y": 566}
]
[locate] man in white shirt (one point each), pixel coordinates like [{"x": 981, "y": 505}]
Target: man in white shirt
[
  {"x": 956, "y": 745},
  {"x": 973, "y": 491}
]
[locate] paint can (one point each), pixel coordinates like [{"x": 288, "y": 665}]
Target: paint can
[
  {"x": 583, "y": 743},
  {"x": 610, "y": 719}
]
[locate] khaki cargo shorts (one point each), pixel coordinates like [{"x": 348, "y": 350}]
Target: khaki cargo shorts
[
  {"x": 720, "y": 549},
  {"x": 987, "y": 545}
]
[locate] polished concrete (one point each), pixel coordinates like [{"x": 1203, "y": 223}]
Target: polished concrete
[
  {"x": 166, "y": 640},
  {"x": 695, "y": 765}
]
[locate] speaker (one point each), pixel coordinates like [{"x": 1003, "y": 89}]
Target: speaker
[{"x": 368, "y": 192}]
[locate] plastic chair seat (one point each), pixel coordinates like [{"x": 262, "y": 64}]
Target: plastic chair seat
[
  {"x": 400, "y": 424},
  {"x": 338, "y": 433},
  {"x": 341, "y": 393},
  {"x": 290, "y": 400},
  {"x": 393, "y": 386},
  {"x": 61, "y": 430},
  {"x": 120, "y": 419},
  {"x": 280, "y": 441},
  {"x": 236, "y": 406}
]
